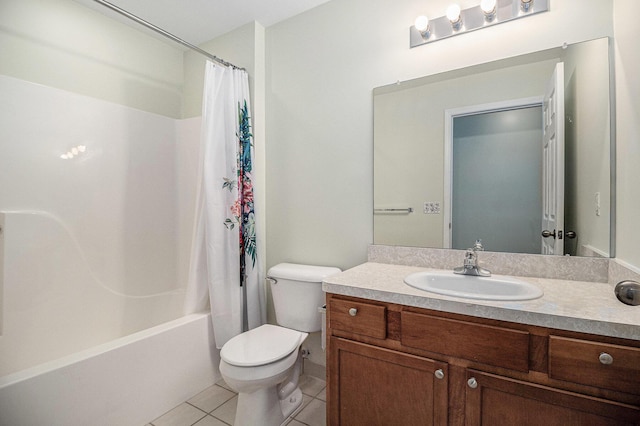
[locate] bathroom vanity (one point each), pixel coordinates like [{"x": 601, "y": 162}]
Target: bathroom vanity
[{"x": 399, "y": 355}]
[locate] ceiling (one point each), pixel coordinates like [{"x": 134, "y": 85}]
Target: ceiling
[{"x": 197, "y": 21}]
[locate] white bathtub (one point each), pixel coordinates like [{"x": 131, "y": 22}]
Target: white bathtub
[
  {"x": 56, "y": 304},
  {"x": 129, "y": 381},
  {"x": 74, "y": 350},
  {"x": 94, "y": 256}
]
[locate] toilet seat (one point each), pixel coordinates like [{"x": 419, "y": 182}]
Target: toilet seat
[{"x": 262, "y": 345}]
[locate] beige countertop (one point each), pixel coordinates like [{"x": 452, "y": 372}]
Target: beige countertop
[{"x": 582, "y": 306}]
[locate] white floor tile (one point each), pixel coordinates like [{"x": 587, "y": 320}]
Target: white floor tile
[
  {"x": 211, "y": 398},
  {"x": 310, "y": 385},
  {"x": 221, "y": 404},
  {"x": 224, "y": 384},
  {"x": 210, "y": 421},
  {"x": 183, "y": 415},
  {"x": 227, "y": 411},
  {"x": 314, "y": 414}
]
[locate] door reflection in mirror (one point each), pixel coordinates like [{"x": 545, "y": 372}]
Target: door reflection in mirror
[{"x": 497, "y": 168}]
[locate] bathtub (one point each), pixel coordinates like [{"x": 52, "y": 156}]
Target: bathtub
[
  {"x": 128, "y": 381},
  {"x": 76, "y": 349},
  {"x": 56, "y": 302},
  {"x": 94, "y": 256}
]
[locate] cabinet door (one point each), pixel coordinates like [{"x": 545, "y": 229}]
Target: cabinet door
[
  {"x": 494, "y": 400},
  {"x": 375, "y": 386}
]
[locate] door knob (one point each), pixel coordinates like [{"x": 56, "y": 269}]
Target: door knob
[
  {"x": 548, "y": 234},
  {"x": 570, "y": 234}
]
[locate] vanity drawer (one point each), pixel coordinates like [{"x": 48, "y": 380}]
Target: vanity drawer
[
  {"x": 501, "y": 347},
  {"x": 367, "y": 319},
  {"x": 603, "y": 365}
]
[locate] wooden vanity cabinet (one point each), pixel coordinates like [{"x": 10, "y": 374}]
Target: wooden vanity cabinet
[
  {"x": 379, "y": 386},
  {"x": 390, "y": 364},
  {"x": 374, "y": 385}
]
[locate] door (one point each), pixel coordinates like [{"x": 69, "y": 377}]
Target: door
[
  {"x": 493, "y": 175},
  {"x": 373, "y": 386},
  {"x": 553, "y": 165}
]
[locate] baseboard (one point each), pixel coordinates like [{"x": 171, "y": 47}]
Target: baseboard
[{"x": 314, "y": 370}]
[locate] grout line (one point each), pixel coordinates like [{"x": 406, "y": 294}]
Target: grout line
[
  {"x": 227, "y": 400},
  {"x": 219, "y": 419},
  {"x": 187, "y": 402},
  {"x": 199, "y": 419}
]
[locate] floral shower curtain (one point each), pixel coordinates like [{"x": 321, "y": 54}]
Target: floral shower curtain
[{"x": 224, "y": 263}]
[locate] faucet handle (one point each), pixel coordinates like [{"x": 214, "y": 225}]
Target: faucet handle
[{"x": 478, "y": 245}]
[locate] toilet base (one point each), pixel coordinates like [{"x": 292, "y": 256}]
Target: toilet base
[
  {"x": 263, "y": 408},
  {"x": 289, "y": 405}
]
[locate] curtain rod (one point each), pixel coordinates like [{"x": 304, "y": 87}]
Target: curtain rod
[{"x": 166, "y": 33}]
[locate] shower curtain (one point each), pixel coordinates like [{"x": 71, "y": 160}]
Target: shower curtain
[{"x": 224, "y": 266}]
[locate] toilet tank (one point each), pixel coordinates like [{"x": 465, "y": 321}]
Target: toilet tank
[{"x": 297, "y": 294}]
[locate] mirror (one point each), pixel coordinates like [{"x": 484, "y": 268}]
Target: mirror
[{"x": 417, "y": 173}]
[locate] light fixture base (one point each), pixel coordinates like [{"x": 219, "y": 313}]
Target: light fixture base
[{"x": 474, "y": 19}]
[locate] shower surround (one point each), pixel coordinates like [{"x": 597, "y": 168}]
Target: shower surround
[{"x": 96, "y": 201}]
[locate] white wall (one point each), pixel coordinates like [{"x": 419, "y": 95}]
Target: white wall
[
  {"x": 321, "y": 68},
  {"x": 627, "y": 34},
  {"x": 587, "y": 148},
  {"x": 60, "y": 43}
]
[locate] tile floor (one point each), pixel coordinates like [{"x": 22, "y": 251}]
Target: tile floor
[{"x": 216, "y": 406}]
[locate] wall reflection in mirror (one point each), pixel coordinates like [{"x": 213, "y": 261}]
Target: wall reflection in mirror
[{"x": 461, "y": 156}]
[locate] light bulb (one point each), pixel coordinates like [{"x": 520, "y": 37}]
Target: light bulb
[
  {"x": 82, "y": 148},
  {"x": 453, "y": 13},
  {"x": 525, "y": 5},
  {"x": 422, "y": 23},
  {"x": 488, "y": 6},
  {"x": 74, "y": 151}
]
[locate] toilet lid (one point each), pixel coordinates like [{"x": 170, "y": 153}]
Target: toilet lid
[{"x": 261, "y": 345}]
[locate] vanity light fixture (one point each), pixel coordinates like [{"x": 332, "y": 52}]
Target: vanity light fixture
[
  {"x": 422, "y": 25},
  {"x": 459, "y": 21},
  {"x": 489, "y": 9},
  {"x": 525, "y": 5},
  {"x": 453, "y": 15}
]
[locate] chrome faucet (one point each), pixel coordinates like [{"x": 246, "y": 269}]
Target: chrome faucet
[{"x": 470, "y": 266}]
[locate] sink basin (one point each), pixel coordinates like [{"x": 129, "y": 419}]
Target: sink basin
[{"x": 485, "y": 288}]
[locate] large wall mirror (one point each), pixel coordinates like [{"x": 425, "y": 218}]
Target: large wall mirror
[{"x": 516, "y": 153}]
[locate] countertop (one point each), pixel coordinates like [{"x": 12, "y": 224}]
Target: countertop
[{"x": 581, "y": 306}]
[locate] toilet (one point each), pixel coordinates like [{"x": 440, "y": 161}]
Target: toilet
[{"x": 263, "y": 364}]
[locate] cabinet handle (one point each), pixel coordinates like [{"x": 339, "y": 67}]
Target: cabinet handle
[
  {"x": 353, "y": 312},
  {"x": 605, "y": 358},
  {"x": 472, "y": 382},
  {"x": 439, "y": 373}
]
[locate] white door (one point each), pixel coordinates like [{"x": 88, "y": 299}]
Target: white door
[{"x": 553, "y": 165}]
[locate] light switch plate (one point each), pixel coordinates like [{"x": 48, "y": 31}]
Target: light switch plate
[{"x": 431, "y": 207}]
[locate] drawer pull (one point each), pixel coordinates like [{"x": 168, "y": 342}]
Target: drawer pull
[
  {"x": 353, "y": 312},
  {"x": 472, "y": 382},
  {"x": 439, "y": 373},
  {"x": 605, "y": 358}
]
